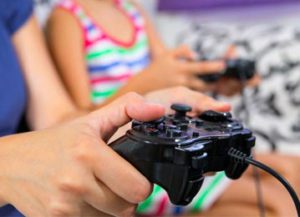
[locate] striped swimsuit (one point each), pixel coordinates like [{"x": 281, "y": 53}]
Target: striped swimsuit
[{"x": 110, "y": 63}]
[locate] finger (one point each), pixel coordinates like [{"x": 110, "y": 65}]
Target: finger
[
  {"x": 204, "y": 67},
  {"x": 199, "y": 101},
  {"x": 185, "y": 52},
  {"x": 255, "y": 81},
  {"x": 205, "y": 103},
  {"x": 119, "y": 175},
  {"x": 121, "y": 111},
  {"x": 231, "y": 53},
  {"x": 197, "y": 84},
  {"x": 103, "y": 199}
]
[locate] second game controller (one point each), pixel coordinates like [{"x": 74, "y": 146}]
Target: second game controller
[
  {"x": 240, "y": 69},
  {"x": 177, "y": 150}
]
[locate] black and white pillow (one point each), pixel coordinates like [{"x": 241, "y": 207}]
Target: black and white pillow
[{"x": 274, "y": 106}]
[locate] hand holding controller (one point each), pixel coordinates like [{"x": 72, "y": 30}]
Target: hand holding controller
[
  {"x": 240, "y": 69},
  {"x": 176, "y": 150}
]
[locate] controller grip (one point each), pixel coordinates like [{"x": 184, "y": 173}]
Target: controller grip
[{"x": 173, "y": 178}]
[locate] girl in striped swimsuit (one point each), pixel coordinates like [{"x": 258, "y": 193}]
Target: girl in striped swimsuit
[{"x": 105, "y": 48}]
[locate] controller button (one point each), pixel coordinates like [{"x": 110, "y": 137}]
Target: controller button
[
  {"x": 199, "y": 123},
  {"x": 250, "y": 142},
  {"x": 181, "y": 110},
  {"x": 214, "y": 116},
  {"x": 156, "y": 122},
  {"x": 195, "y": 134},
  {"x": 237, "y": 126},
  {"x": 183, "y": 127}
]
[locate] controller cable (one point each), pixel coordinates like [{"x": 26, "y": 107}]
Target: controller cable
[
  {"x": 256, "y": 175},
  {"x": 241, "y": 158}
]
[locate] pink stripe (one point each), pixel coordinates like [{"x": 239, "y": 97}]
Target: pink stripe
[
  {"x": 162, "y": 205},
  {"x": 110, "y": 78},
  {"x": 90, "y": 43}
]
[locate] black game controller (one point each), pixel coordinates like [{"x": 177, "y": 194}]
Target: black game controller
[
  {"x": 240, "y": 69},
  {"x": 176, "y": 150}
]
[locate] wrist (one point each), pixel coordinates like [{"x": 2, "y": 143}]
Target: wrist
[{"x": 6, "y": 148}]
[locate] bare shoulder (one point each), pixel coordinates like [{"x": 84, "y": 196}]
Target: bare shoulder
[{"x": 63, "y": 20}]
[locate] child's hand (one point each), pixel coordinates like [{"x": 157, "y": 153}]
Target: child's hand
[
  {"x": 172, "y": 69},
  {"x": 198, "y": 101},
  {"x": 231, "y": 86}
]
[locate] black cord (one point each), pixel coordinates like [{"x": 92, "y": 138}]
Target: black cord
[
  {"x": 259, "y": 193},
  {"x": 240, "y": 157},
  {"x": 256, "y": 175}
]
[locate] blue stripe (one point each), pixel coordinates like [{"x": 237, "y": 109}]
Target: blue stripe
[
  {"x": 178, "y": 210},
  {"x": 144, "y": 61},
  {"x": 90, "y": 27},
  {"x": 135, "y": 15}
]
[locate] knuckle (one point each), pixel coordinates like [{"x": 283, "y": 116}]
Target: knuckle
[
  {"x": 61, "y": 210},
  {"x": 73, "y": 185},
  {"x": 83, "y": 152},
  {"x": 132, "y": 96}
]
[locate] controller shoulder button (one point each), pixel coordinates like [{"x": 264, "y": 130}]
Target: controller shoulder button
[{"x": 214, "y": 116}]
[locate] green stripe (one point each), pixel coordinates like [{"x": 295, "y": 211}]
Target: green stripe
[
  {"x": 122, "y": 51},
  {"x": 128, "y": 6},
  {"x": 103, "y": 94},
  {"x": 207, "y": 191},
  {"x": 142, "y": 207}
]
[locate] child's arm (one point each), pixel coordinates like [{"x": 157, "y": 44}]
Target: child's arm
[
  {"x": 66, "y": 46},
  {"x": 65, "y": 40},
  {"x": 48, "y": 101}
]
